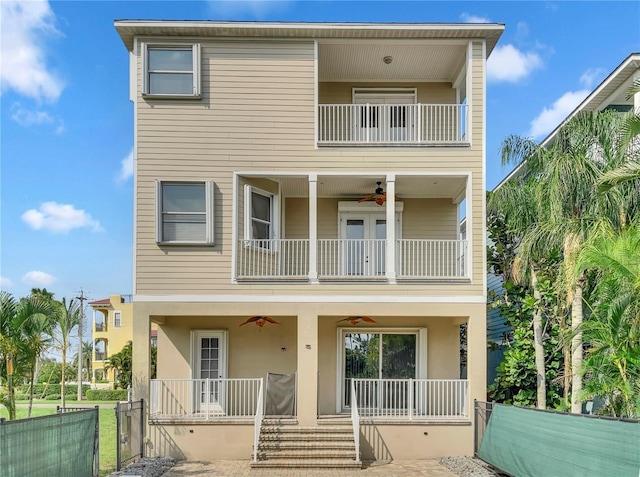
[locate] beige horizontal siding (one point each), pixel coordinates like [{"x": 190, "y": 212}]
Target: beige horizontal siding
[
  {"x": 427, "y": 93},
  {"x": 257, "y": 114}
]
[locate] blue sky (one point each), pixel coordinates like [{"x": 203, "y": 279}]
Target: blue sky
[{"x": 66, "y": 122}]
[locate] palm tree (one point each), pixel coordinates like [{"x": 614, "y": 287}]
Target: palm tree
[
  {"x": 67, "y": 318},
  {"x": 87, "y": 352},
  {"x": 568, "y": 172},
  {"x": 22, "y": 340},
  {"x": 613, "y": 364}
]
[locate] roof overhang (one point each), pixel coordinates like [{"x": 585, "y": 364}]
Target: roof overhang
[{"x": 129, "y": 29}]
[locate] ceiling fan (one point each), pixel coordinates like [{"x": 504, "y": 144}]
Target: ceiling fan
[{"x": 379, "y": 196}]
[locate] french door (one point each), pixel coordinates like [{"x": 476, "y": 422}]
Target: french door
[
  {"x": 373, "y": 356},
  {"x": 384, "y": 116},
  {"x": 209, "y": 370},
  {"x": 364, "y": 244}
]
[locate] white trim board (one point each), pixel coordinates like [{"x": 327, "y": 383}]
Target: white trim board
[{"x": 257, "y": 298}]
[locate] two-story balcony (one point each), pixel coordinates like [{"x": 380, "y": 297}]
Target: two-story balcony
[{"x": 319, "y": 228}]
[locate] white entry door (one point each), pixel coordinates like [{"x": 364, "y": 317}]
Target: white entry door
[
  {"x": 209, "y": 371},
  {"x": 384, "y": 117},
  {"x": 364, "y": 244}
]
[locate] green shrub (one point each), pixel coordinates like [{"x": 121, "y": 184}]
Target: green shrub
[
  {"x": 52, "y": 397},
  {"x": 55, "y": 389},
  {"x": 21, "y": 396},
  {"x": 107, "y": 395}
]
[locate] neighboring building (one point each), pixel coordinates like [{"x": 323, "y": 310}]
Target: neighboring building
[
  {"x": 611, "y": 94},
  {"x": 270, "y": 158},
  {"x": 112, "y": 329}
]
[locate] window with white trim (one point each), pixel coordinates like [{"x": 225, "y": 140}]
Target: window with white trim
[
  {"x": 117, "y": 319},
  {"x": 172, "y": 70},
  {"x": 261, "y": 214},
  {"x": 185, "y": 212}
]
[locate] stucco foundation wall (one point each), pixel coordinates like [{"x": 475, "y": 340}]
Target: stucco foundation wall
[
  {"x": 399, "y": 442},
  {"x": 201, "y": 441}
]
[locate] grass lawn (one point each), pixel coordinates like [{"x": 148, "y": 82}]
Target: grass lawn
[{"x": 107, "y": 418}]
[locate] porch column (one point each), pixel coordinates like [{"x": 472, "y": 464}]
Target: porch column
[
  {"x": 313, "y": 228},
  {"x": 477, "y": 355},
  {"x": 307, "y": 392},
  {"x": 141, "y": 359},
  {"x": 391, "y": 228}
]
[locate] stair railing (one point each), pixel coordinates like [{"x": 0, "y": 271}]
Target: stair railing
[
  {"x": 355, "y": 420},
  {"x": 257, "y": 424}
]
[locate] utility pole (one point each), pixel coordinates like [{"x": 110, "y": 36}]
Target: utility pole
[{"x": 82, "y": 298}]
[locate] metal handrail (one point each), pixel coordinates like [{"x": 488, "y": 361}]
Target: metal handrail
[
  {"x": 355, "y": 421},
  {"x": 257, "y": 424}
]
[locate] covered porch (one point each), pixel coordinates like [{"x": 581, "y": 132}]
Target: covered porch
[{"x": 337, "y": 227}]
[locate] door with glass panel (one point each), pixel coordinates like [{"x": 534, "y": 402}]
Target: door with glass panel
[
  {"x": 381, "y": 364},
  {"x": 364, "y": 245},
  {"x": 384, "y": 117},
  {"x": 210, "y": 371}
]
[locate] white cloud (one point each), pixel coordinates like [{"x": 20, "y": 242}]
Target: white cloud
[
  {"x": 551, "y": 117},
  {"x": 468, "y": 18},
  {"x": 509, "y": 64},
  {"x": 27, "y": 118},
  {"x": 59, "y": 218},
  {"x": 255, "y": 8},
  {"x": 126, "y": 169},
  {"x": 24, "y": 26},
  {"x": 38, "y": 278},
  {"x": 591, "y": 77},
  {"x": 5, "y": 282}
]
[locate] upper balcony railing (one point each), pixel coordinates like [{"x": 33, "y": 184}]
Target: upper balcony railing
[{"x": 392, "y": 124}]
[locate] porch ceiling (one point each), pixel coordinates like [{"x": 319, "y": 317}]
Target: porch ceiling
[
  {"x": 420, "y": 61},
  {"x": 431, "y": 187}
]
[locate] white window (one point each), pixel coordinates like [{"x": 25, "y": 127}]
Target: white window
[
  {"x": 260, "y": 212},
  {"x": 172, "y": 70},
  {"x": 185, "y": 212},
  {"x": 117, "y": 319}
]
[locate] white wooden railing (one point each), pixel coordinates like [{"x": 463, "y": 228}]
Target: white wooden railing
[
  {"x": 431, "y": 258},
  {"x": 204, "y": 398},
  {"x": 411, "y": 398},
  {"x": 351, "y": 258},
  {"x": 355, "y": 422},
  {"x": 354, "y": 259},
  {"x": 257, "y": 423},
  {"x": 392, "y": 123},
  {"x": 274, "y": 258}
]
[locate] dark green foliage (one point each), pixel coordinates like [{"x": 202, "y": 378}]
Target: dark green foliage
[
  {"x": 516, "y": 379},
  {"x": 107, "y": 395}
]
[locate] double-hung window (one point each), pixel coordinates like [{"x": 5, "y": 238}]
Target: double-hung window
[
  {"x": 172, "y": 70},
  {"x": 117, "y": 319},
  {"x": 185, "y": 212},
  {"x": 260, "y": 211}
]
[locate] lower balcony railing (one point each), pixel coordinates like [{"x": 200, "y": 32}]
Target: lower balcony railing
[
  {"x": 351, "y": 259},
  {"x": 412, "y": 398},
  {"x": 204, "y": 398}
]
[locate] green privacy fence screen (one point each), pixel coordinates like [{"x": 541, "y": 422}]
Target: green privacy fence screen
[
  {"x": 526, "y": 442},
  {"x": 57, "y": 445}
]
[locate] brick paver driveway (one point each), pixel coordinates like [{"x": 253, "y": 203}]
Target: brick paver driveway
[{"x": 238, "y": 468}]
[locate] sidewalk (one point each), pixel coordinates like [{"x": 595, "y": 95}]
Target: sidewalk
[{"x": 238, "y": 468}]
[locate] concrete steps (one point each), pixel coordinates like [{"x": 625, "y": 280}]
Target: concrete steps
[{"x": 288, "y": 445}]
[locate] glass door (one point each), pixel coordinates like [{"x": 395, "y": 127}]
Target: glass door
[
  {"x": 383, "y": 360},
  {"x": 210, "y": 386}
]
